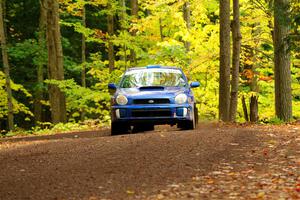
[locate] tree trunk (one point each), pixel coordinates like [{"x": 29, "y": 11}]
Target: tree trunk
[
  {"x": 10, "y": 115},
  {"x": 122, "y": 14},
  {"x": 224, "y": 82},
  {"x": 187, "y": 15},
  {"x": 38, "y": 107},
  {"x": 161, "y": 30},
  {"x": 55, "y": 62},
  {"x": 83, "y": 56},
  {"x": 254, "y": 88},
  {"x": 283, "y": 97},
  {"x": 236, "y": 47},
  {"x": 245, "y": 109},
  {"x": 253, "y": 108},
  {"x": 123, "y": 28},
  {"x": 134, "y": 13},
  {"x": 83, "y": 50},
  {"x": 110, "y": 30}
]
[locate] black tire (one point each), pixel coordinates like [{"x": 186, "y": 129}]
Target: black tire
[
  {"x": 189, "y": 124},
  {"x": 149, "y": 127},
  {"x": 196, "y": 115},
  {"x": 118, "y": 128}
]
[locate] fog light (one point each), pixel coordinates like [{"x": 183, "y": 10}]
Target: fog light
[
  {"x": 118, "y": 113},
  {"x": 181, "y": 112},
  {"x": 185, "y": 112}
]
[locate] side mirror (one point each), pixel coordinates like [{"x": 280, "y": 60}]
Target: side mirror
[
  {"x": 194, "y": 84},
  {"x": 112, "y": 86}
]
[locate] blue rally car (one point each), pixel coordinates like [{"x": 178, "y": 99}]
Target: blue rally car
[{"x": 152, "y": 95}]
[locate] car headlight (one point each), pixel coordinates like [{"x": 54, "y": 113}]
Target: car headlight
[
  {"x": 181, "y": 99},
  {"x": 121, "y": 99}
]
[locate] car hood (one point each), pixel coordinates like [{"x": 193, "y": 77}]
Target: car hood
[{"x": 165, "y": 92}]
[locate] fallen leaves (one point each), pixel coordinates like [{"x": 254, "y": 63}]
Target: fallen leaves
[
  {"x": 130, "y": 192},
  {"x": 297, "y": 188},
  {"x": 269, "y": 171}
]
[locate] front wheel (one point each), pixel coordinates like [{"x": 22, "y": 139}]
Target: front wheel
[
  {"x": 118, "y": 128},
  {"x": 189, "y": 124},
  {"x": 196, "y": 115}
]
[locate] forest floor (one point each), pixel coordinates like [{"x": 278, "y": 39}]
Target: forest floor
[{"x": 215, "y": 161}]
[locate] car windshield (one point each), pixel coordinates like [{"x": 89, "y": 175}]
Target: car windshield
[{"x": 153, "y": 77}]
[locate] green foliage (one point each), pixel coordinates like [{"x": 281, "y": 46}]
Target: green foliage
[
  {"x": 157, "y": 36},
  {"x": 18, "y": 107},
  {"x": 48, "y": 129},
  {"x": 275, "y": 121},
  {"x": 92, "y": 102},
  {"x": 201, "y": 63}
]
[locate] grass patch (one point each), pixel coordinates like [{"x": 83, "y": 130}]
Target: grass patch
[{"x": 48, "y": 128}]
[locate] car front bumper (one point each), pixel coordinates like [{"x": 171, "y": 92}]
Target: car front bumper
[{"x": 156, "y": 114}]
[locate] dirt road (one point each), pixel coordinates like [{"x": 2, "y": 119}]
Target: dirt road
[{"x": 211, "y": 162}]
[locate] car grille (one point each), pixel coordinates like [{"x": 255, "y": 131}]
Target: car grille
[
  {"x": 151, "y": 101},
  {"x": 151, "y": 113}
]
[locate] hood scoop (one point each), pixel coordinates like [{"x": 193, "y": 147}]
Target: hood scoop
[{"x": 151, "y": 88}]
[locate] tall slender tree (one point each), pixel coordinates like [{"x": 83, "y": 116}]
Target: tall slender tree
[
  {"x": 10, "y": 115},
  {"x": 236, "y": 48},
  {"x": 134, "y": 13},
  {"x": 161, "y": 29},
  {"x": 83, "y": 55},
  {"x": 187, "y": 18},
  {"x": 283, "y": 96},
  {"x": 38, "y": 107},
  {"x": 254, "y": 87},
  {"x": 55, "y": 62},
  {"x": 83, "y": 49},
  {"x": 122, "y": 14},
  {"x": 123, "y": 24},
  {"x": 110, "y": 31},
  {"x": 224, "y": 82}
]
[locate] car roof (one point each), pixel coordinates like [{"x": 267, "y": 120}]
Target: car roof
[{"x": 153, "y": 67}]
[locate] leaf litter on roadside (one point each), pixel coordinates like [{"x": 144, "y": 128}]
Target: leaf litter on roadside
[{"x": 270, "y": 171}]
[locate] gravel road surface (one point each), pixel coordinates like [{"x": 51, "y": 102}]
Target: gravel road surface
[{"x": 93, "y": 165}]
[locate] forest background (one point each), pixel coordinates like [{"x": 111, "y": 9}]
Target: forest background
[{"x": 102, "y": 38}]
